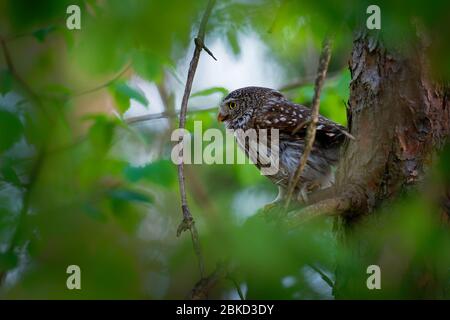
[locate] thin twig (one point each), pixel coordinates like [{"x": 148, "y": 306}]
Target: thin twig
[
  {"x": 236, "y": 285},
  {"x": 327, "y": 207},
  {"x": 206, "y": 284},
  {"x": 188, "y": 221},
  {"x": 21, "y": 219},
  {"x": 28, "y": 90},
  {"x": 322, "y": 274},
  {"x": 35, "y": 170},
  {"x": 104, "y": 85},
  {"x": 162, "y": 115},
  {"x": 311, "y": 132}
]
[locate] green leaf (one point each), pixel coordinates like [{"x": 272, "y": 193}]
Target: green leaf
[
  {"x": 129, "y": 195},
  {"x": 210, "y": 91},
  {"x": 305, "y": 94},
  {"x": 10, "y": 130},
  {"x": 57, "y": 89},
  {"x": 123, "y": 93},
  {"x": 41, "y": 34},
  {"x": 8, "y": 261},
  {"x": 9, "y": 175},
  {"x": 207, "y": 118},
  {"x": 94, "y": 212},
  {"x": 148, "y": 65},
  {"x": 101, "y": 132},
  {"x": 6, "y": 81},
  {"x": 234, "y": 43},
  {"x": 161, "y": 172}
]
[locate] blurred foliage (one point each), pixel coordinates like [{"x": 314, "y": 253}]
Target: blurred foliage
[{"x": 78, "y": 185}]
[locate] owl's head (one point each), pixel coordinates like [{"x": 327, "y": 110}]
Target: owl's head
[{"x": 238, "y": 106}]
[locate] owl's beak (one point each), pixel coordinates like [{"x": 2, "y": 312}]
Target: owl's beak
[{"x": 222, "y": 117}]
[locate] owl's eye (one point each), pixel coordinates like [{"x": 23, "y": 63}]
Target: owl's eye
[{"x": 231, "y": 105}]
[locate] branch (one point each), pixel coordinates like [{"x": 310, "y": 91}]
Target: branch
[
  {"x": 205, "y": 285},
  {"x": 188, "y": 221},
  {"x": 322, "y": 274},
  {"x": 15, "y": 238},
  {"x": 161, "y": 115},
  {"x": 28, "y": 91},
  {"x": 328, "y": 207},
  {"x": 35, "y": 170},
  {"x": 311, "y": 132},
  {"x": 237, "y": 286},
  {"x": 104, "y": 85}
]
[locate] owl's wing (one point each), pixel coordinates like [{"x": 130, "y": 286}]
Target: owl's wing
[{"x": 293, "y": 119}]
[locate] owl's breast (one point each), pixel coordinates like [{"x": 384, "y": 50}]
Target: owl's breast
[{"x": 286, "y": 155}]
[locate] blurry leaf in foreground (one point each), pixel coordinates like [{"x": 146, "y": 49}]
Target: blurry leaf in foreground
[
  {"x": 234, "y": 42},
  {"x": 10, "y": 130},
  {"x": 161, "y": 172},
  {"x": 101, "y": 132},
  {"x": 206, "y": 117},
  {"x": 305, "y": 94},
  {"x": 41, "y": 34},
  {"x": 129, "y": 195},
  {"x": 129, "y": 216},
  {"x": 209, "y": 91},
  {"x": 123, "y": 92},
  {"x": 93, "y": 212},
  {"x": 8, "y": 261},
  {"x": 9, "y": 175},
  {"x": 57, "y": 89},
  {"x": 444, "y": 163},
  {"x": 6, "y": 81},
  {"x": 148, "y": 65}
]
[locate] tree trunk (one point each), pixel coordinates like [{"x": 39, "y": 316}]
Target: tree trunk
[{"x": 398, "y": 116}]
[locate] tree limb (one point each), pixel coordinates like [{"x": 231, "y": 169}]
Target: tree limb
[
  {"x": 327, "y": 207},
  {"x": 188, "y": 221},
  {"x": 28, "y": 90},
  {"x": 311, "y": 132}
]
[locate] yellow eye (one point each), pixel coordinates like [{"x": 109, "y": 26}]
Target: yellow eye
[{"x": 231, "y": 105}]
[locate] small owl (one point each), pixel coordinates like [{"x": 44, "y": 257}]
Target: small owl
[{"x": 264, "y": 108}]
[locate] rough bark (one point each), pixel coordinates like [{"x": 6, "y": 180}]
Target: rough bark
[{"x": 399, "y": 117}]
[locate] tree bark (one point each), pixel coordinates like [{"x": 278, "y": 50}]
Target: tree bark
[{"x": 399, "y": 117}]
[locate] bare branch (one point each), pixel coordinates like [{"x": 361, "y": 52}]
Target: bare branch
[
  {"x": 322, "y": 274},
  {"x": 236, "y": 285},
  {"x": 311, "y": 132},
  {"x": 188, "y": 221},
  {"x": 161, "y": 115}
]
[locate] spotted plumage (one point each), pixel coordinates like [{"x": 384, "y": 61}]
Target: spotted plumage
[{"x": 264, "y": 108}]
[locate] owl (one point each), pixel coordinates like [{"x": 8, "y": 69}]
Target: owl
[{"x": 264, "y": 108}]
